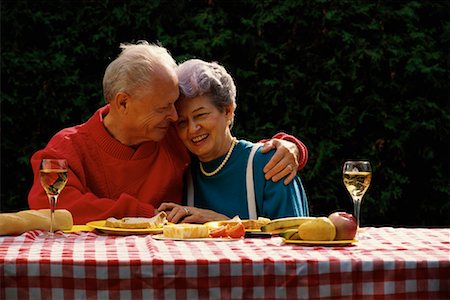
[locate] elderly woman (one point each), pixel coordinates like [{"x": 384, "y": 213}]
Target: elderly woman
[{"x": 227, "y": 177}]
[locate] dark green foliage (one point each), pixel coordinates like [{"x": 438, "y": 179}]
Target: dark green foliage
[{"x": 351, "y": 79}]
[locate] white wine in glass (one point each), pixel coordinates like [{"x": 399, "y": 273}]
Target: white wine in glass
[
  {"x": 357, "y": 176},
  {"x": 53, "y": 175}
]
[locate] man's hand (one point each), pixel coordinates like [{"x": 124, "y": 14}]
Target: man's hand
[
  {"x": 187, "y": 214},
  {"x": 283, "y": 163}
]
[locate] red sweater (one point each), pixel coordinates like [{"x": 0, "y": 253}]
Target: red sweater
[{"x": 107, "y": 178}]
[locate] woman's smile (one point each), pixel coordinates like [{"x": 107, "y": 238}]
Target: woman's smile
[{"x": 199, "y": 138}]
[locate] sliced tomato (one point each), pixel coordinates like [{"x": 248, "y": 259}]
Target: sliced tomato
[
  {"x": 236, "y": 231},
  {"x": 218, "y": 232}
]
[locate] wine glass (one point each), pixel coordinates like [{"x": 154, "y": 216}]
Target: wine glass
[
  {"x": 357, "y": 175},
  {"x": 53, "y": 174}
]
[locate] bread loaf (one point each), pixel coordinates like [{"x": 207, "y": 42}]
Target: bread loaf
[
  {"x": 22, "y": 221},
  {"x": 12, "y": 224},
  {"x": 186, "y": 231}
]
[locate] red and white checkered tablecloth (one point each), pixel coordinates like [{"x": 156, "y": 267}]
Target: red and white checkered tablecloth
[{"x": 392, "y": 263}]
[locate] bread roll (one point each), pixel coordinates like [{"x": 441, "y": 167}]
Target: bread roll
[
  {"x": 22, "y": 221},
  {"x": 186, "y": 231}
]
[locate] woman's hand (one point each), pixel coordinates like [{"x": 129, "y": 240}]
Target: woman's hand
[
  {"x": 187, "y": 214},
  {"x": 284, "y": 163}
]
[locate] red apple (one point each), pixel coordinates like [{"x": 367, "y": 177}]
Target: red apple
[{"x": 345, "y": 224}]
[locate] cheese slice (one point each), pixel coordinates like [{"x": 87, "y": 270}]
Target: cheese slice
[{"x": 186, "y": 231}]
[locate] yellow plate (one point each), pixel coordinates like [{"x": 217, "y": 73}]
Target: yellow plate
[
  {"x": 79, "y": 228},
  {"x": 320, "y": 243},
  {"x": 216, "y": 224},
  {"x": 162, "y": 238},
  {"x": 100, "y": 225}
]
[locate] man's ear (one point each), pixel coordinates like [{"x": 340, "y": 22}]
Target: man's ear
[{"x": 121, "y": 101}]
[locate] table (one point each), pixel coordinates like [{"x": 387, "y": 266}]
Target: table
[{"x": 392, "y": 263}]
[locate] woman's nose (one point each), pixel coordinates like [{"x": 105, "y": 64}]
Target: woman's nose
[{"x": 193, "y": 126}]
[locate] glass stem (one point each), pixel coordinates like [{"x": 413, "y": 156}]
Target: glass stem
[
  {"x": 52, "y": 200},
  {"x": 357, "y": 206}
]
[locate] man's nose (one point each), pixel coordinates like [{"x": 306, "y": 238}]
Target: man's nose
[{"x": 173, "y": 115}]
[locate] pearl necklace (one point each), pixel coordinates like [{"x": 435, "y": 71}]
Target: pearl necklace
[{"x": 233, "y": 143}]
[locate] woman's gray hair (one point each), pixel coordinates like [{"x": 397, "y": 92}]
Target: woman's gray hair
[
  {"x": 134, "y": 67},
  {"x": 197, "y": 78}
]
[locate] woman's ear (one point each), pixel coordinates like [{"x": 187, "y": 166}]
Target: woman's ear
[
  {"x": 229, "y": 114},
  {"x": 229, "y": 111}
]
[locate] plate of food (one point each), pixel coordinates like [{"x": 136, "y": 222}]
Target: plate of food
[
  {"x": 131, "y": 225},
  {"x": 318, "y": 231}
]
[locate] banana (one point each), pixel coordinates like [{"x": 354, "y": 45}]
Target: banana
[
  {"x": 295, "y": 236},
  {"x": 288, "y": 233},
  {"x": 279, "y": 230},
  {"x": 275, "y": 225}
]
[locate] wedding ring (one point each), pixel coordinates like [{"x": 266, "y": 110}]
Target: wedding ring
[
  {"x": 289, "y": 166},
  {"x": 186, "y": 212}
]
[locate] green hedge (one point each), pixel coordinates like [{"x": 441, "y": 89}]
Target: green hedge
[{"x": 350, "y": 78}]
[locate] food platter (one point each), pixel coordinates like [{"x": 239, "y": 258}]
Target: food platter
[
  {"x": 321, "y": 243},
  {"x": 100, "y": 225},
  {"x": 161, "y": 237}
]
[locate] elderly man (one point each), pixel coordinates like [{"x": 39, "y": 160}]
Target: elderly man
[{"x": 127, "y": 158}]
